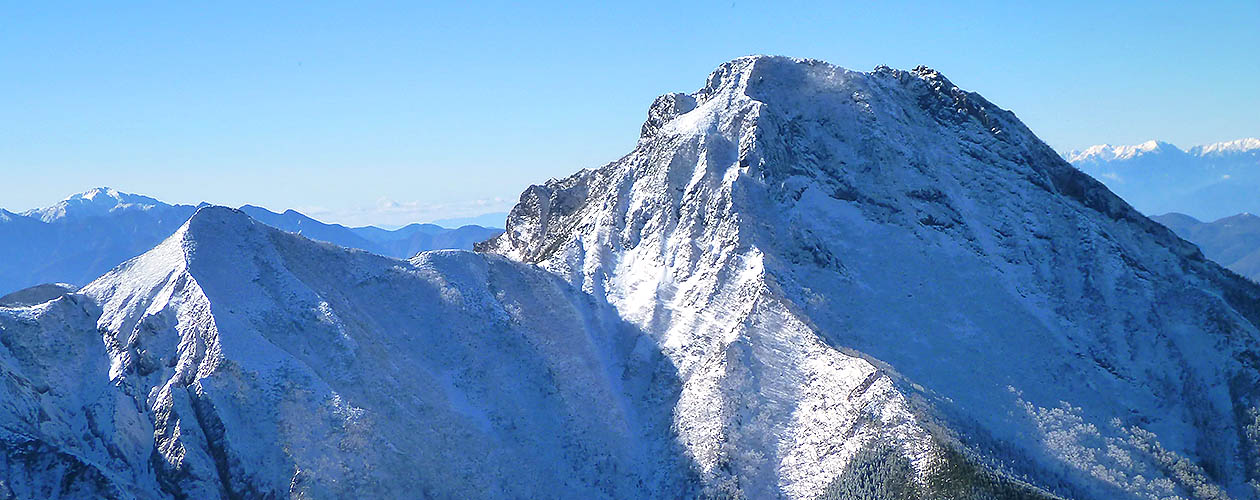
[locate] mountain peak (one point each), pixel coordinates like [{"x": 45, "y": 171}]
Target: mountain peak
[
  {"x": 215, "y": 242},
  {"x": 94, "y": 202},
  {"x": 1108, "y": 152},
  {"x": 793, "y": 74},
  {"x": 111, "y": 195},
  {"x": 1242, "y": 218},
  {"x": 734, "y": 78},
  {"x": 798, "y": 215},
  {"x": 94, "y": 192},
  {"x": 737, "y": 92},
  {"x": 220, "y": 233},
  {"x": 1101, "y": 153},
  {"x": 1207, "y": 181},
  {"x": 218, "y": 218},
  {"x": 927, "y": 73},
  {"x": 1246, "y": 145}
]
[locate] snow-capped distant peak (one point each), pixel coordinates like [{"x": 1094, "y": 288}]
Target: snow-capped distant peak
[
  {"x": 94, "y": 202},
  {"x": 1247, "y": 145},
  {"x": 91, "y": 194},
  {"x": 1097, "y": 151},
  {"x": 111, "y": 195},
  {"x": 1107, "y": 152}
]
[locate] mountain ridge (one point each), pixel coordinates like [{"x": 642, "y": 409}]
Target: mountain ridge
[
  {"x": 759, "y": 198},
  {"x": 86, "y": 234},
  {"x": 1108, "y": 152},
  {"x": 1232, "y": 241},
  {"x": 1208, "y": 181}
]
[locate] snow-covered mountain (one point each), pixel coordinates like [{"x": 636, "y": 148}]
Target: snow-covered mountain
[
  {"x": 1208, "y": 182},
  {"x": 238, "y": 361},
  {"x": 803, "y": 280},
  {"x": 81, "y": 237},
  {"x": 1233, "y": 241},
  {"x": 96, "y": 202},
  {"x": 833, "y": 259}
]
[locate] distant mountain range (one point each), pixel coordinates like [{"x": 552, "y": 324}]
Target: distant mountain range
[
  {"x": 1217, "y": 182},
  {"x": 84, "y": 235},
  {"x": 401, "y": 243},
  {"x": 1232, "y": 241},
  {"x": 1207, "y": 182},
  {"x": 494, "y": 219}
]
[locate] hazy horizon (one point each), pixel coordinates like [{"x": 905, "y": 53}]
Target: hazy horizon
[{"x": 386, "y": 115}]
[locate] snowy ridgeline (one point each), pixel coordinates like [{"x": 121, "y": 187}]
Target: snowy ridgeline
[
  {"x": 1208, "y": 182},
  {"x": 803, "y": 282},
  {"x": 81, "y": 237}
]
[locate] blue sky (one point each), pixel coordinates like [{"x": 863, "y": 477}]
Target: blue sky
[{"x": 396, "y": 112}]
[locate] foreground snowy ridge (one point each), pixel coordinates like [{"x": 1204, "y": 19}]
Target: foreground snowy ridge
[{"x": 802, "y": 280}]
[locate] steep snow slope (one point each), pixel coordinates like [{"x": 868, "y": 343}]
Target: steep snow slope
[
  {"x": 1209, "y": 181},
  {"x": 1232, "y": 241},
  {"x": 235, "y": 360},
  {"x": 834, "y": 258}
]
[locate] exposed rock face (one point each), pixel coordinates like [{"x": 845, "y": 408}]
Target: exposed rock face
[{"x": 832, "y": 258}]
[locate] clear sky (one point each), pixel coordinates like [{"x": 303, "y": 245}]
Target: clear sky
[{"x": 397, "y": 112}]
